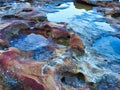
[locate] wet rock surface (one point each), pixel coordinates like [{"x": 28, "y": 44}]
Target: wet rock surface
[
  {"x": 109, "y": 83},
  {"x": 111, "y": 8},
  {"x": 37, "y": 52}
]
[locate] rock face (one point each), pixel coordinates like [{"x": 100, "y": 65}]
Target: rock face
[
  {"x": 11, "y": 29},
  {"x": 109, "y": 8},
  {"x": 27, "y": 14},
  {"x": 33, "y": 58},
  {"x": 36, "y": 54},
  {"x": 105, "y": 3}
]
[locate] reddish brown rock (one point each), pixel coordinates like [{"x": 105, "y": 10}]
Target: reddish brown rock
[
  {"x": 58, "y": 33},
  {"x": 61, "y": 35},
  {"x": 76, "y": 42},
  {"x": 103, "y": 3},
  {"x": 33, "y": 75},
  {"x": 25, "y": 71},
  {"x": 108, "y": 7},
  {"x": 49, "y": 25},
  {"x": 19, "y": 64}
]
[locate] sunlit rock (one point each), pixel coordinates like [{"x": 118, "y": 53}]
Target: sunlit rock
[{"x": 76, "y": 43}]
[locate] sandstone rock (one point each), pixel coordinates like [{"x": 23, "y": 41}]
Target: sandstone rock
[
  {"x": 60, "y": 34},
  {"x": 105, "y": 3},
  {"x": 114, "y": 19},
  {"x": 3, "y": 44},
  {"x": 50, "y": 24},
  {"x": 50, "y": 74},
  {"x": 33, "y": 75},
  {"x": 11, "y": 29},
  {"x": 76, "y": 42},
  {"x": 27, "y": 72},
  {"x": 28, "y": 14},
  {"x": 32, "y": 15}
]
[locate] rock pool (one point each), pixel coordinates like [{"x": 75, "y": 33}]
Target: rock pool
[{"x": 72, "y": 47}]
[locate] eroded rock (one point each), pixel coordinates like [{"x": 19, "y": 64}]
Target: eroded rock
[
  {"x": 28, "y": 14},
  {"x": 11, "y": 29},
  {"x": 109, "y": 82}
]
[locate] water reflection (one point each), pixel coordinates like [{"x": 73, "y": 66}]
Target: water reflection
[
  {"x": 109, "y": 45},
  {"x": 65, "y": 15}
]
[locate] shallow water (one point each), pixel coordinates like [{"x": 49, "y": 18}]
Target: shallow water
[
  {"x": 29, "y": 42},
  {"x": 65, "y": 14},
  {"x": 109, "y": 45},
  {"x": 102, "y": 49},
  {"x": 96, "y": 34},
  {"x": 35, "y": 43}
]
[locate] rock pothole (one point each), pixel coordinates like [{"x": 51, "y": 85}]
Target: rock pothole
[{"x": 74, "y": 80}]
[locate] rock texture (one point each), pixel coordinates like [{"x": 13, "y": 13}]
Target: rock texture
[
  {"x": 36, "y": 54},
  {"x": 105, "y": 3},
  {"x": 32, "y": 68}
]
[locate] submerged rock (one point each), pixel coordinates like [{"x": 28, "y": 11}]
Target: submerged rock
[
  {"x": 109, "y": 82},
  {"x": 110, "y": 47},
  {"x": 29, "y": 42}
]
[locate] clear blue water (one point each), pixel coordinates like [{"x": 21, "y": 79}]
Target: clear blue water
[
  {"x": 29, "y": 42},
  {"x": 35, "y": 43},
  {"x": 108, "y": 46},
  {"x": 64, "y": 15}
]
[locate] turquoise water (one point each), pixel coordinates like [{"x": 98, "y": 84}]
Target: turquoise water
[{"x": 108, "y": 46}]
